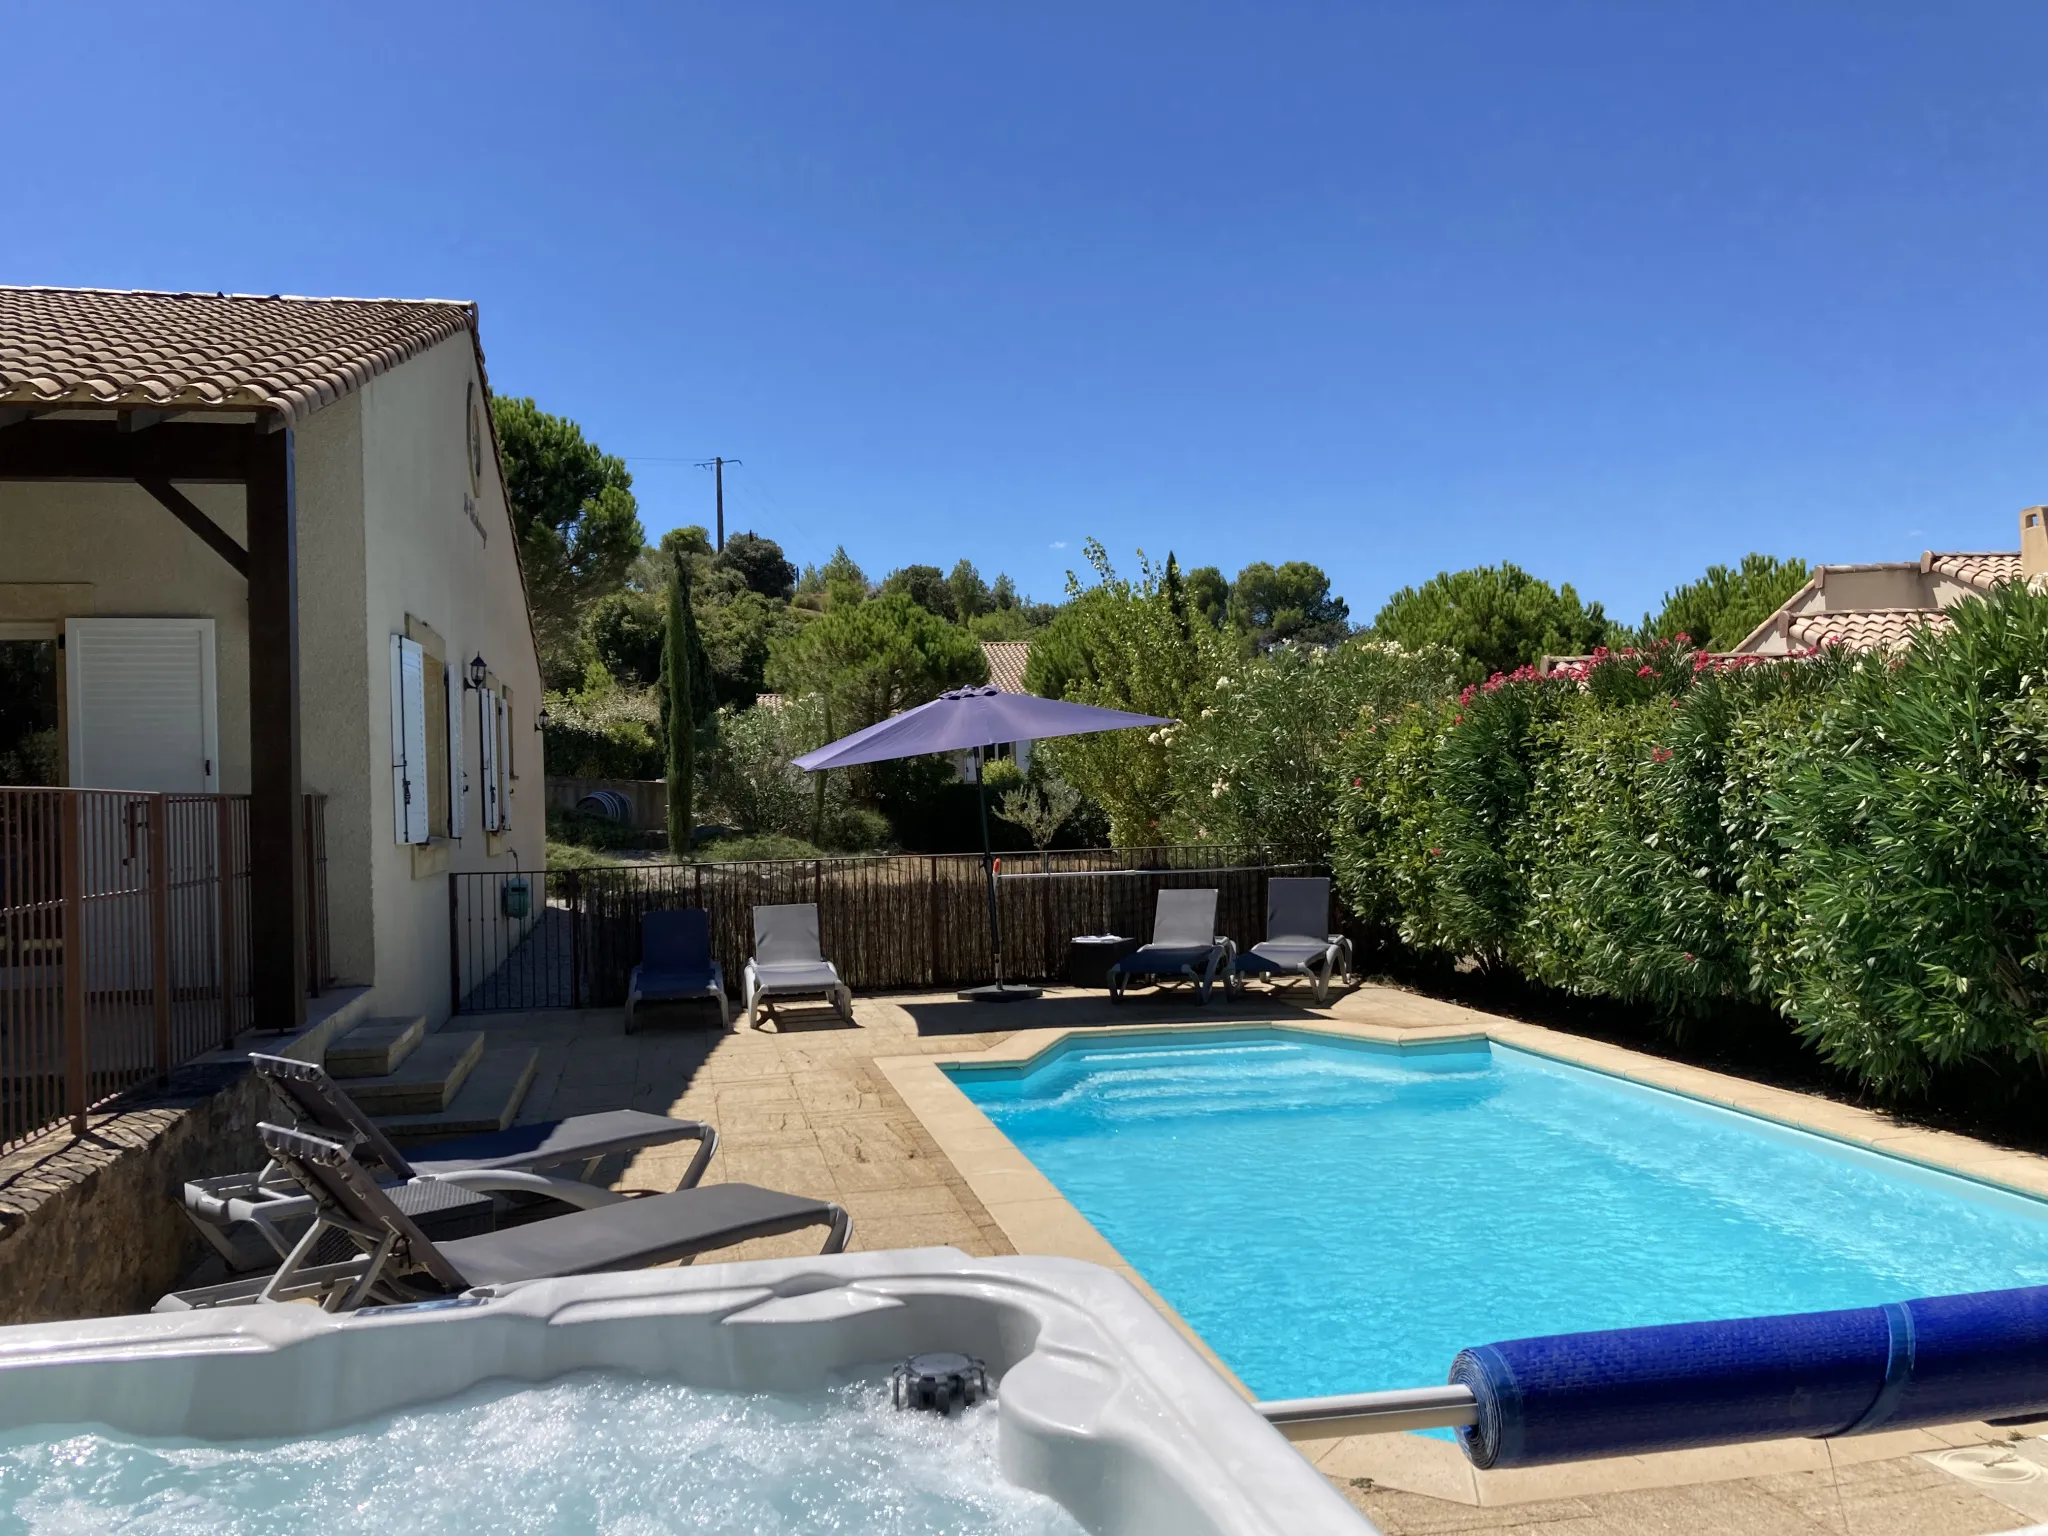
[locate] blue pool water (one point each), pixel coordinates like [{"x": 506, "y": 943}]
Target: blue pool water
[{"x": 1334, "y": 1216}]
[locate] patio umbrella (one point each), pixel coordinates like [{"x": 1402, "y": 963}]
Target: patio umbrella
[{"x": 973, "y": 720}]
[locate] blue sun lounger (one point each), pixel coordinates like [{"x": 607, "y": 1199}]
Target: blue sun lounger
[
  {"x": 675, "y": 963},
  {"x": 1298, "y": 940}
]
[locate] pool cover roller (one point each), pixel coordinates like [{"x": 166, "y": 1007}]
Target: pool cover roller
[{"x": 1940, "y": 1360}]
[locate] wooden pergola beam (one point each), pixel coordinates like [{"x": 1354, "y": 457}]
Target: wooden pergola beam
[
  {"x": 215, "y": 536},
  {"x": 43, "y": 449}
]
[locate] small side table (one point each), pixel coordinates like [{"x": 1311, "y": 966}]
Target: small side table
[{"x": 1090, "y": 957}]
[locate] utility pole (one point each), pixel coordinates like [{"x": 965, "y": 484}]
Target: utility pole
[{"x": 717, "y": 468}]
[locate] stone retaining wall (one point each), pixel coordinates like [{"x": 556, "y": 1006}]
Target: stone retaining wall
[{"x": 92, "y": 1225}]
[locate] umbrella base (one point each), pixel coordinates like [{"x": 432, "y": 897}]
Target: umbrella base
[{"x": 1001, "y": 992}]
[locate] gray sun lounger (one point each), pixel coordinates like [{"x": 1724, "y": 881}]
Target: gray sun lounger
[
  {"x": 675, "y": 963},
  {"x": 789, "y": 962},
  {"x": 395, "y": 1262},
  {"x": 1185, "y": 947},
  {"x": 1298, "y": 940},
  {"x": 501, "y": 1162}
]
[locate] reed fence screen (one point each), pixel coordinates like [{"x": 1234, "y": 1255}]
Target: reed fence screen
[
  {"x": 570, "y": 938},
  {"x": 124, "y": 941}
]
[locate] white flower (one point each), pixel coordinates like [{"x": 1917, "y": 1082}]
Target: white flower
[
  {"x": 1208, "y": 714},
  {"x": 1222, "y": 683},
  {"x": 1216, "y": 789}
]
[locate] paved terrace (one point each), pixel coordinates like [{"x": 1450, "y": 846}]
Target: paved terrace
[{"x": 812, "y": 1105}]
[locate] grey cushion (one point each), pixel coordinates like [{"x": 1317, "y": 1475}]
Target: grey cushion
[
  {"x": 817, "y": 976},
  {"x": 1185, "y": 918},
  {"x": 634, "y": 1233},
  {"x": 787, "y": 934},
  {"x": 1290, "y": 954},
  {"x": 1297, "y": 908},
  {"x": 555, "y": 1141}
]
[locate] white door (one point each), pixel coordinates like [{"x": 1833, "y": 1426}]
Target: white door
[{"x": 140, "y": 696}]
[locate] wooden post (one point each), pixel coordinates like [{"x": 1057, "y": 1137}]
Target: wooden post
[
  {"x": 76, "y": 1065},
  {"x": 277, "y": 885},
  {"x": 224, "y": 880},
  {"x": 160, "y": 928}
]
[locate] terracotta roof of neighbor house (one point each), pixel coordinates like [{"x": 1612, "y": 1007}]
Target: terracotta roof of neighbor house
[
  {"x": 1006, "y": 660},
  {"x": 219, "y": 351},
  {"x": 1865, "y": 629},
  {"x": 1983, "y": 571}
]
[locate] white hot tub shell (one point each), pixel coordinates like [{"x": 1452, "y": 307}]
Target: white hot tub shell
[{"x": 1103, "y": 1406}]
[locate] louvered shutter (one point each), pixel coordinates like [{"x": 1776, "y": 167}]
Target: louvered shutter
[
  {"x": 452, "y": 702},
  {"x": 504, "y": 764},
  {"x": 408, "y": 740},
  {"x": 487, "y": 756},
  {"x": 140, "y": 704}
]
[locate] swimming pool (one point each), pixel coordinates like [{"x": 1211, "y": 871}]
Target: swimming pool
[{"x": 1340, "y": 1216}]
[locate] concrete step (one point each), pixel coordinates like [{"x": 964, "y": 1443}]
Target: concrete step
[
  {"x": 376, "y": 1047},
  {"x": 426, "y": 1081},
  {"x": 489, "y": 1100}
]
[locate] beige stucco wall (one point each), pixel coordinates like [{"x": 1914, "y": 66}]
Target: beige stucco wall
[
  {"x": 134, "y": 560},
  {"x": 424, "y": 557}
]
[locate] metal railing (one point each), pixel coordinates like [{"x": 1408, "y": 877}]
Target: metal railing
[
  {"x": 124, "y": 941},
  {"x": 570, "y": 938}
]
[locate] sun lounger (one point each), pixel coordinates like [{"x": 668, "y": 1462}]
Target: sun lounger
[
  {"x": 396, "y": 1262},
  {"x": 675, "y": 963},
  {"x": 788, "y": 961},
  {"x": 1298, "y": 941},
  {"x": 503, "y": 1162},
  {"x": 1185, "y": 947}
]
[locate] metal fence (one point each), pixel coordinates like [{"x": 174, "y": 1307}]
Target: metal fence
[
  {"x": 570, "y": 938},
  {"x": 124, "y": 941}
]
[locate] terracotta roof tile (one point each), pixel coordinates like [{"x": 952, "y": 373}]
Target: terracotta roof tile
[
  {"x": 1866, "y": 629},
  {"x": 1006, "y": 660},
  {"x": 102, "y": 347},
  {"x": 1983, "y": 571}
]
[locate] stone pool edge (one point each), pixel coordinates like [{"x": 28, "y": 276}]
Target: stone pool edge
[{"x": 1038, "y": 1218}]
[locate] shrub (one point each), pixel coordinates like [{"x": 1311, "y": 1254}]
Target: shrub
[
  {"x": 1916, "y": 825},
  {"x": 751, "y": 782},
  {"x": 1258, "y": 762}
]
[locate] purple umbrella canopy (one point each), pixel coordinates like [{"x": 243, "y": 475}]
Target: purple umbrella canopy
[{"x": 965, "y": 719}]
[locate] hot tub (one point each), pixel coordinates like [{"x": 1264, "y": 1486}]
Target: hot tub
[{"x": 1100, "y": 1405}]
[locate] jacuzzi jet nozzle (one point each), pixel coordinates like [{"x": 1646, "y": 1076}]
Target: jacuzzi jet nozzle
[{"x": 939, "y": 1383}]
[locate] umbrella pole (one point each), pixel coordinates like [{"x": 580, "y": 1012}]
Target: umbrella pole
[{"x": 988, "y": 864}]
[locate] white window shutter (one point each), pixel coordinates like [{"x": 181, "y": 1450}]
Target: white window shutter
[
  {"x": 140, "y": 704},
  {"x": 408, "y": 740},
  {"x": 451, "y": 701},
  {"x": 487, "y": 756}
]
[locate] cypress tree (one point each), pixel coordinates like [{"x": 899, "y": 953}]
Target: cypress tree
[{"x": 680, "y": 689}]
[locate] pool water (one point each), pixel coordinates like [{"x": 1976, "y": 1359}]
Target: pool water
[
  {"x": 1335, "y": 1216},
  {"x": 594, "y": 1452}
]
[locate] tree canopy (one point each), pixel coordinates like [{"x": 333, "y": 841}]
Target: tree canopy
[
  {"x": 575, "y": 518},
  {"x": 1720, "y": 609},
  {"x": 759, "y": 563},
  {"x": 869, "y": 660},
  {"x": 1293, "y": 601},
  {"x": 924, "y": 585},
  {"x": 1498, "y": 617}
]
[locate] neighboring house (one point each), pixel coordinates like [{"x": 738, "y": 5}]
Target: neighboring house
[
  {"x": 1877, "y": 607},
  {"x": 258, "y": 545},
  {"x": 1006, "y": 659}
]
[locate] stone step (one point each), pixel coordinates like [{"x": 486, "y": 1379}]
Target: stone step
[
  {"x": 426, "y": 1081},
  {"x": 375, "y": 1047},
  {"x": 489, "y": 1100}
]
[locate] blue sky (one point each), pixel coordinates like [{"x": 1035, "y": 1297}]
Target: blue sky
[{"x": 1609, "y": 290}]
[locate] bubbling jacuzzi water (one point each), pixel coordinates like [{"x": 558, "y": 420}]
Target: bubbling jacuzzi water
[{"x": 597, "y": 1451}]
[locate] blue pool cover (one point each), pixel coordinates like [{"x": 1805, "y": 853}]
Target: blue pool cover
[{"x": 1940, "y": 1360}]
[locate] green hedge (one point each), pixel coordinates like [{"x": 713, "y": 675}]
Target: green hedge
[{"x": 1860, "y": 842}]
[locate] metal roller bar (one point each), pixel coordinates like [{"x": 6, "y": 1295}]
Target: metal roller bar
[{"x": 1373, "y": 1413}]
